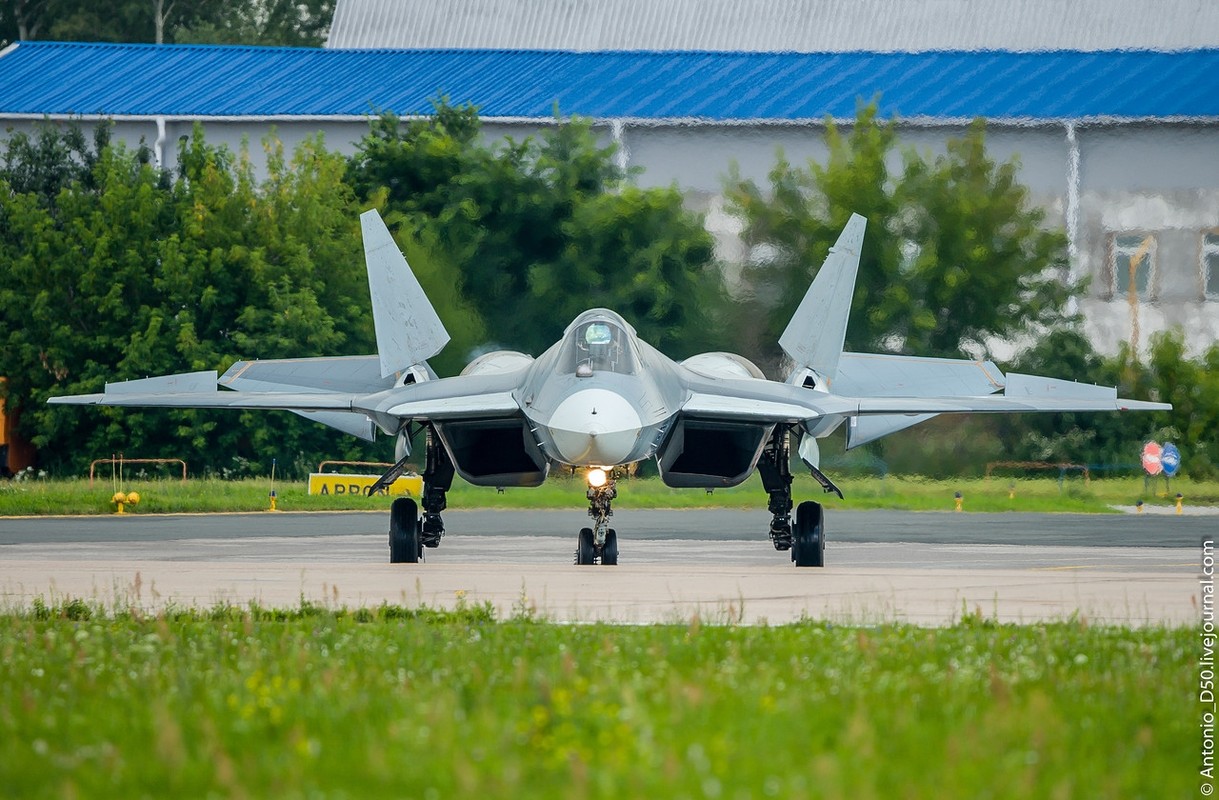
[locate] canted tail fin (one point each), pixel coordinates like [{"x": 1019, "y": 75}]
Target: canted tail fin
[
  {"x": 815, "y": 336},
  {"x": 408, "y": 329}
]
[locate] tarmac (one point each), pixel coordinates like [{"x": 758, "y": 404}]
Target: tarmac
[{"x": 925, "y": 569}]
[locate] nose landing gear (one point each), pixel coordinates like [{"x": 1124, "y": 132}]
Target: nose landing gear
[{"x": 599, "y": 544}]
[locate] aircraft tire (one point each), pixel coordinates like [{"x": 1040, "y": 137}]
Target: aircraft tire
[
  {"x": 405, "y": 546},
  {"x": 586, "y": 553},
  {"x": 609, "y": 553},
  {"x": 808, "y": 537}
]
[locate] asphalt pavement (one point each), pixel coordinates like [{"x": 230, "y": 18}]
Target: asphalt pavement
[
  {"x": 925, "y": 568},
  {"x": 927, "y": 527}
]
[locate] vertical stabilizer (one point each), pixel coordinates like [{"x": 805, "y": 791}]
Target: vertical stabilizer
[
  {"x": 814, "y": 338},
  {"x": 408, "y": 330}
]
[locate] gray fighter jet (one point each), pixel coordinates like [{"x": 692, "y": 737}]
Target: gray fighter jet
[{"x": 601, "y": 399}]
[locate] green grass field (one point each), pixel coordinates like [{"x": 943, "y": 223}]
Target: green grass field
[
  {"x": 905, "y": 492},
  {"x": 393, "y": 702}
]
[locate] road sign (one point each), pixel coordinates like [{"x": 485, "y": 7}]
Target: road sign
[
  {"x": 333, "y": 483},
  {"x": 1170, "y": 459},
  {"x": 1151, "y": 458}
]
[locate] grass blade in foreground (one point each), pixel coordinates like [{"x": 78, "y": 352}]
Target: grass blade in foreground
[{"x": 419, "y": 703}]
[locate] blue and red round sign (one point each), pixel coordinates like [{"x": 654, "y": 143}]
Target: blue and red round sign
[{"x": 1170, "y": 459}]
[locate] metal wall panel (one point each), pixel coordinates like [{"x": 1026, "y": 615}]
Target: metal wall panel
[
  {"x": 39, "y": 78},
  {"x": 777, "y": 25}
]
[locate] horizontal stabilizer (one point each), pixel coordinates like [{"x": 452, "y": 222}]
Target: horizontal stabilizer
[
  {"x": 408, "y": 330},
  {"x": 815, "y": 336},
  {"x": 166, "y": 384},
  {"x": 868, "y": 429},
  {"x": 1036, "y": 386},
  {"x": 346, "y": 374},
  {"x": 886, "y": 375},
  {"x": 352, "y": 423}
]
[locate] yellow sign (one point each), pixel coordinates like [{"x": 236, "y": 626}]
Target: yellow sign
[{"x": 330, "y": 483}]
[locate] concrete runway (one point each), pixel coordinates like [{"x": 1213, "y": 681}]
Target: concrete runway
[{"x": 926, "y": 568}]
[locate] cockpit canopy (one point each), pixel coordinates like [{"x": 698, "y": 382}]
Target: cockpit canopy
[{"x": 598, "y": 341}]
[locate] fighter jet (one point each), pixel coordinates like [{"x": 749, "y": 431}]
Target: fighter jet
[{"x": 601, "y": 399}]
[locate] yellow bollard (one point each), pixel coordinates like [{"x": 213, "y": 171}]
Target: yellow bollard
[
  {"x": 273, "y": 508},
  {"x": 123, "y": 500},
  {"x": 1011, "y": 491},
  {"x": 959, "y": 500},
  {"x": 1138, "y": 507},
  {"x": 1179, "y": 499}
]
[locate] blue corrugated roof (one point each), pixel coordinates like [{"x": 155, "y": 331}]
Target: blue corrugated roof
[{"x": 209, "y": 81}]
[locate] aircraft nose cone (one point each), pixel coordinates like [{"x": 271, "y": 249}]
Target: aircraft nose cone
[{"x": 595, "y": 427}]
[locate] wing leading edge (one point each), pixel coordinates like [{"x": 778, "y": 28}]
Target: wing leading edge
[{"x": 773, "y": 402}]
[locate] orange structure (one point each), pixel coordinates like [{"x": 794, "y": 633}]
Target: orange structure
[{"x": 15, "y": 453}]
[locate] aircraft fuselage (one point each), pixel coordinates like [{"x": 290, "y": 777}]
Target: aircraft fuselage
[{"x": 604, "y": 402}]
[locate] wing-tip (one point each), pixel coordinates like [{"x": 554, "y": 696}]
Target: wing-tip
[
  {"x": 1124, "y": 404},
  {"x": 76, "y": 400}
]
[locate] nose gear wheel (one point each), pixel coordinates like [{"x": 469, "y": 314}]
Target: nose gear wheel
[{"x": 599, "y": 544}]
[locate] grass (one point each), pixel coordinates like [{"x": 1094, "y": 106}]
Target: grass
[
  {"x": 393, "y": 701},
  {"x": 33, "y": 497}
]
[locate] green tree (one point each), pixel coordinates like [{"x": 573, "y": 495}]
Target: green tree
[
  {"x": 1192, "y": 386},
  {"x": 265, "y": 22},
  {"x": 1115, "y": 440},
  {"x": 117, "y": 270},
  {"x": 955, "y": 253},
  {"x": 1084, "y": 438},
  {"x": 23, "y": 19},
  {"x": 542, "y": 228},
  {"x": 300, "y": 23}
]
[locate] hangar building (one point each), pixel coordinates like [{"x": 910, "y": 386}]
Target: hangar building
[{"x": 1111, "y": 106}]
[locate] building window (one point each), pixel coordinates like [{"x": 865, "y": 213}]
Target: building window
[
  {"x": 1210, "y": 265},
  {"x": 1140, "y": 250}
]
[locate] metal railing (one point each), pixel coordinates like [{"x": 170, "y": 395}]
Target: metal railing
[
  {"x": 322, "y": 466},
  {"x": 125, "y": 461},
  {"x": 1061, "y": 467}
]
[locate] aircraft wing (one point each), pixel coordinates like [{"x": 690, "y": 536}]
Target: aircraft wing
[
  {"x": 772, "y": 402},
  {"x": 461, "y": 397},
  {"x": 289, "y": 401}
]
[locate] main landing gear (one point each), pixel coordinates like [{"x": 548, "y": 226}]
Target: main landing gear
[
  {"x": 599, "y": 544},
  {"x": 806, "y": 537},
  {"x": 410, "y": 531}
]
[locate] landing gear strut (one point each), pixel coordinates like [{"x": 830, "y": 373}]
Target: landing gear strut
[
  {"x": 410, "y": 531},
  {"x": 600, "y": 542},
  {"x": 437, "y": 480},
  {"x": 775, "y": 468},
  {"x": 806, "y": 537}
]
